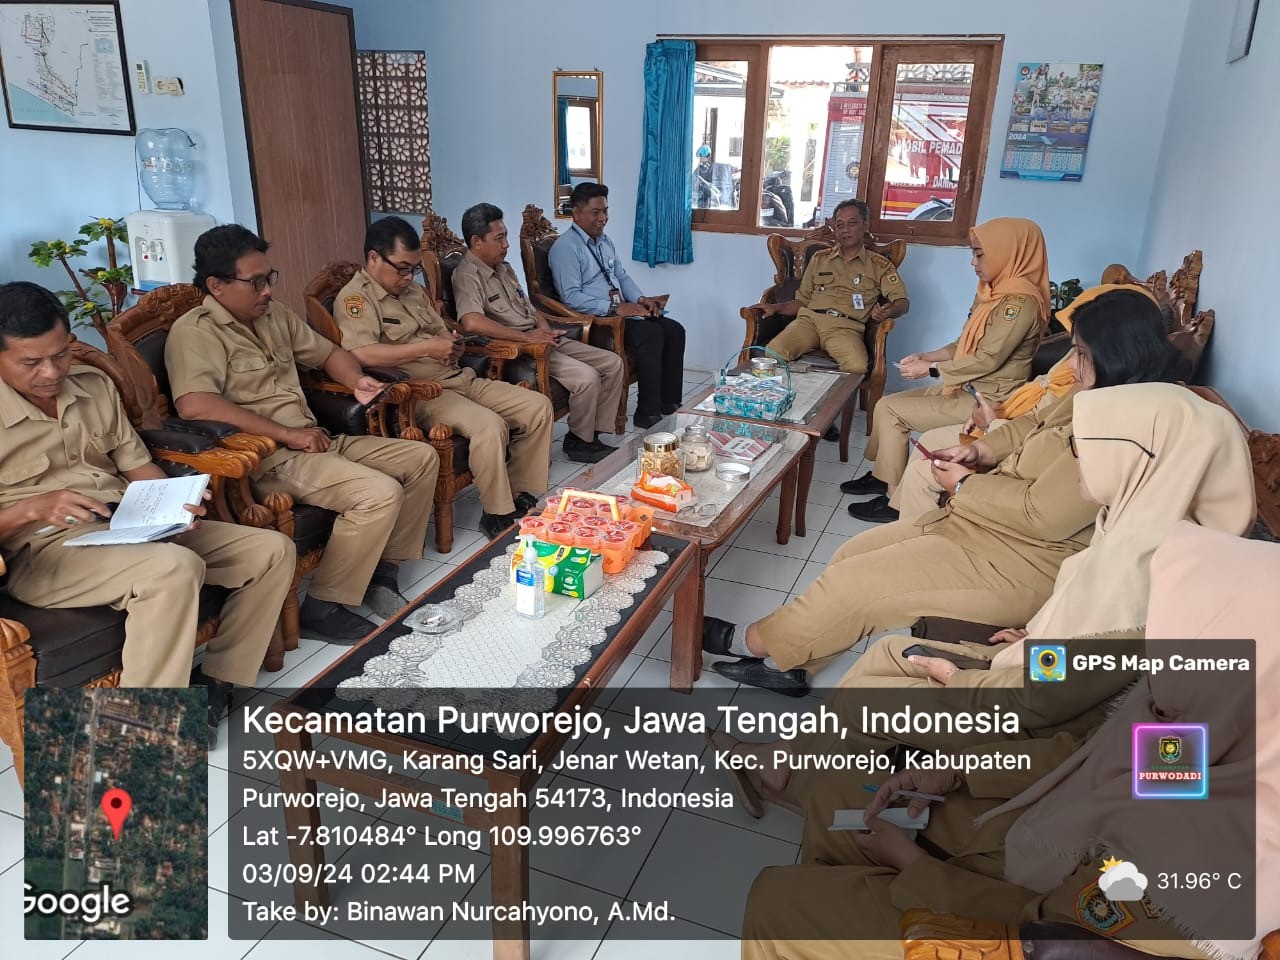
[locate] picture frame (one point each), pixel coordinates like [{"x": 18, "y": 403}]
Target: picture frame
[
  {"x": 1242, "y": 30},
  {"x": 63, "y": 67}
]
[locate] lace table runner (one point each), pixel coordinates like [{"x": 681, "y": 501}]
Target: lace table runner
[
  {"x": 518, "y": 663},
  {"x": 811, "y": 392},
  {"x": 710, "y": 491}
]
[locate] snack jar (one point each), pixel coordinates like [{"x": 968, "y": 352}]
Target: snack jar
[{"x": 617, "y": 550}]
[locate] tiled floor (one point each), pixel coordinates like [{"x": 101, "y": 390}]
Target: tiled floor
[{"x": 750, "y": 577}]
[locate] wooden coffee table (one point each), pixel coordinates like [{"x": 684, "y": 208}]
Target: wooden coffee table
[
  {"x": 781, "y": 472},
  {"x": 835, "y": 398},
  {"x": 676, "y": 578}
]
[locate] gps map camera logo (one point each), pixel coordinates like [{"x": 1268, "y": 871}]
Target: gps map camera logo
[
  {"x": 1170, "y": 761},
  {"x": 1048, "y": 664}
]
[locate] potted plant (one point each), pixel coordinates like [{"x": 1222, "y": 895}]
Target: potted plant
[
  {"x": 95, "y": 303},
  {"x": 1060, "y": 295}
]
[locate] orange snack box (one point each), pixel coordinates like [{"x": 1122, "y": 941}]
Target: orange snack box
[{"x": 664, "y": 492}]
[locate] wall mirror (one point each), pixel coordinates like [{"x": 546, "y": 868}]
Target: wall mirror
[{"x": 578, "y": 122}]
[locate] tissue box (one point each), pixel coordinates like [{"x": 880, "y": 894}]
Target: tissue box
[
  {"x": 663, "y": 492},
  {"x": 571, "y": 571}
]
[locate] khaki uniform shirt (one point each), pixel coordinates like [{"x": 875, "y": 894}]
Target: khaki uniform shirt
[
  {"x": 491, "y": 292},
  {"x": 1029, "y": 508},
  {"x": 210, "y": 351},
  {"x": 85, "y": 448},
  {"x": 831, "y": 282},
  {"x": 1002, "y": 362},
  {"x": 368, "y": 314}
]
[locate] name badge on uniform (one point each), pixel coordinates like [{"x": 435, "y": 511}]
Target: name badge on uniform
[
  {"x": 857, "y": 302},
  {"x": 493, "y": 298},
  {"x": 615, "y": 296}
]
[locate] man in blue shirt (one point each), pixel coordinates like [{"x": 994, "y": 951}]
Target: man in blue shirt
[{"x": 591, "y": 279}]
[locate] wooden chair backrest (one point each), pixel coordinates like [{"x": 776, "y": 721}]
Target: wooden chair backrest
[
  {"x": 320, "y": 294},
  {"x": 1264, "y": 452},
  {"x": 136, "y": 339},
  {"x": 791, "y": 255},
  {"x": 1181, "y": 292},
  {"x": 442, "y": 250},
  {"x": 536, "y": 237}
]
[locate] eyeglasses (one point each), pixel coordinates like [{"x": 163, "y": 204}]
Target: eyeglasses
[
  {"x": 1071, "y": 440},
  {"x": 403, "y": 269},
  {"x": 258, "y": 283}
]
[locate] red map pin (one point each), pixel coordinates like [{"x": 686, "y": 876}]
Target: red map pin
[{"x": 116, "y": 804}]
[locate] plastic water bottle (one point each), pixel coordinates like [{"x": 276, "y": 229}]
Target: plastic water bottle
[
  {"x": 531, "y": 582},
  {"x": 166, "y": 167}
]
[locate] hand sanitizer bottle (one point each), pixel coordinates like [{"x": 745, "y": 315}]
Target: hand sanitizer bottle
[{"x": 531, "y": 582}]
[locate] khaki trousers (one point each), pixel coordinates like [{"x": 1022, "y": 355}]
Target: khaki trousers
[
  {"x": 157, "y": 585},
  {"x": 382, "y": 491},
  {"x": 510, "y": 432},
  {"x": 898, "y": 415},
  {"x": 839, "y": 337},
  {"x": 594, "y": 379},
  {"x": 883, "y": 579},
  {"x": 918, "y": 492}
]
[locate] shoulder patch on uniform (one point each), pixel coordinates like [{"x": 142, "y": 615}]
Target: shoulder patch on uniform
[
  {"x": 892, "y": 277},
  {"x": 353, "y": 306},
  {"x": 1095, "y": 911},
  {"x": 1011, "y": 310}
]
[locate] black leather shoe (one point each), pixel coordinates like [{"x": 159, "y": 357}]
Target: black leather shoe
[
  {"x": 601, "y": 445},
  {"x": 717, "y": 635},
  {"x": 646, "y": 420},
  {"x": 580, "y": 451},
  {"x": 492, "y": 524},
  {"x": 383, "y": 596},
  {"x": 525, "y": 502},
  {"x": 832, "y": 435},
  {"x": 874, "y": 511},
  {"x": 669, "y": 408},
  {"x": 332, "y": 622},
  {"x": 219, "y": 701},
  {"x": 864, "y": 485},
  {"x": 753, "y": 672}
]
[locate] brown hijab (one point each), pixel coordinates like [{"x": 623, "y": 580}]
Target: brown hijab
[{"x": 1017, "y": 260}]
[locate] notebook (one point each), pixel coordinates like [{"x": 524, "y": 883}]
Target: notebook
[
  {"x": 149, "y": 510},
  {"x": 898, "y": 816}
]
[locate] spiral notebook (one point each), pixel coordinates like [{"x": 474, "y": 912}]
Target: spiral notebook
[{"x": 149, "y": 510}]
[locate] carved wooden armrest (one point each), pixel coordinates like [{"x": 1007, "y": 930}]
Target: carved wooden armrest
[
  {"x": 495, "y": 349},
  {"x": 617, "y": 329},
  {"x": 944, "y": 936},
  {"x": 879, "y": 330},
  {"x": 579, "y": 320},
  {"x": 554, "y": 308},
  {"x": 397, "y": 401}
]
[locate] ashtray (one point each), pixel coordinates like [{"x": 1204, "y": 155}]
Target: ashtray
[
  {"x": 733, "y": 472},
  {"x": 798, "y": 366},
  {"x": 433, "y": 619}
]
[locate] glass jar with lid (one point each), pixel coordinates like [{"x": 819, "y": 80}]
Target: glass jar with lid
[
  {"x": 696, "y": 445},
  {"x": 661, "y": 456}
]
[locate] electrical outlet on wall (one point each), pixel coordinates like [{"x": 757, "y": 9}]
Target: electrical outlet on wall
[{"x": 172, "y": 86}]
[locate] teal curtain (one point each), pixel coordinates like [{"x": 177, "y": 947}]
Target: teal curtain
[
  {"x": 664, "y": 208},
  {"x": 562, "y": 140}
]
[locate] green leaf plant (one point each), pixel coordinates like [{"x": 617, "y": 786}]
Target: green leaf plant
[{"x": 95, "y": 302}]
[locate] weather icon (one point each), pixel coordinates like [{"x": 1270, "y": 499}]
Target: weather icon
[{"x": 1121, "y": 880}]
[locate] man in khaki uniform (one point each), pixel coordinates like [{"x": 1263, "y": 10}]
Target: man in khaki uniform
[
  {"x": 991, "y": 555},
  {"x": 67, "y": 452},
  {"x": 490, "y": 302},
  {"x": 234, "y": 359},
  {"x": 387, "y": 319},
  {"x": 841, "y": 288}
]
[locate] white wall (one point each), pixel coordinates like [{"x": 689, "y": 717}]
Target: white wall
[
  {"x": 50, "y": 183},
  {"x": 489, "y": 68},
  {"x": 1215, "y": 192}
]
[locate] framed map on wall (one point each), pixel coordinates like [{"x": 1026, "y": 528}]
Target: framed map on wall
[{"x": 63, "y": 67}]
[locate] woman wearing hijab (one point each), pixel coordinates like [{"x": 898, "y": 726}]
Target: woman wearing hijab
[
  {"x": 1152, "y": 455},
  {"x": 990, "y": 555},
  {"x": 993, "y": 352},
  {"x": 1046, "y": 853},
  {"x": 919, "y": 491}
]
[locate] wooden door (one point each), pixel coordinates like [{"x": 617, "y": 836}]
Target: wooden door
[{"x": 297, "y": 79}]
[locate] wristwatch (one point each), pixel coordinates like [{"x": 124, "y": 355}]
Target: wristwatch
[
  {"x": 959, "y": 484},
  {"x": 933, "y": 370}
]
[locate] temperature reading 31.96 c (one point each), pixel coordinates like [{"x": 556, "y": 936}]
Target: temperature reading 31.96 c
[{"x": 1198, "y": 881}]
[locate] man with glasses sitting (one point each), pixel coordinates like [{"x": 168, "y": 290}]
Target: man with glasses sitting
[
  {"x": 234, "y": 359},
  {"x": 387, "y": 319}
]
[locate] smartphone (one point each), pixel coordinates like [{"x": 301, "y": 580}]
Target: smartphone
[
  {"x": 924, "y": 451},
  {"x": 475, "y": 338},
  {"x": 959, "y": 659},
  {"x": 969, "y": 389}
]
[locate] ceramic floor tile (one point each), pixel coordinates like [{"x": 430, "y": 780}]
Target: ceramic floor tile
[
  {"x": 432, "y": 572},
  {"x": 11, "y": 793},
  {"x": 810, "y": 573},
  {"x": 824, "y": 494},
  {"x": 830, "y": 673},
  {"x": 829, "y": 472},
  {"x": 816, "y": 516},
  {"x": 6, "y": 755},
  {"x": 324, "y": 947},
  {"x": 626, "y": 669},
  {"x": 826, "y": 547},
  {"x": 563, "y": 472},
  {"x": 649, "y": 639},
  {"x": 12, "y": 840},
  {"x": 848, "y": 526},
  {"x": 662, "y": 649},
  {"x": 465, "y": 543},
  {"x": 467, "y": 511},
  {"x": 830, "y": 452},
  {"x": 703, "y": 944},
  {"x": 739, "y": 603},
  {"x": 757, "y": 569},
  {"x": 217, "y": 947},
  {"x": 704, "y": 869},
  {"x": 11, "y": 919},
  {"x": 764, "y": 537}
]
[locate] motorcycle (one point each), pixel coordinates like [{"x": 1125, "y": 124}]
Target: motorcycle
[
  {"x": 935, "y": 208},
  {"x": 777, "y": 206}
]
